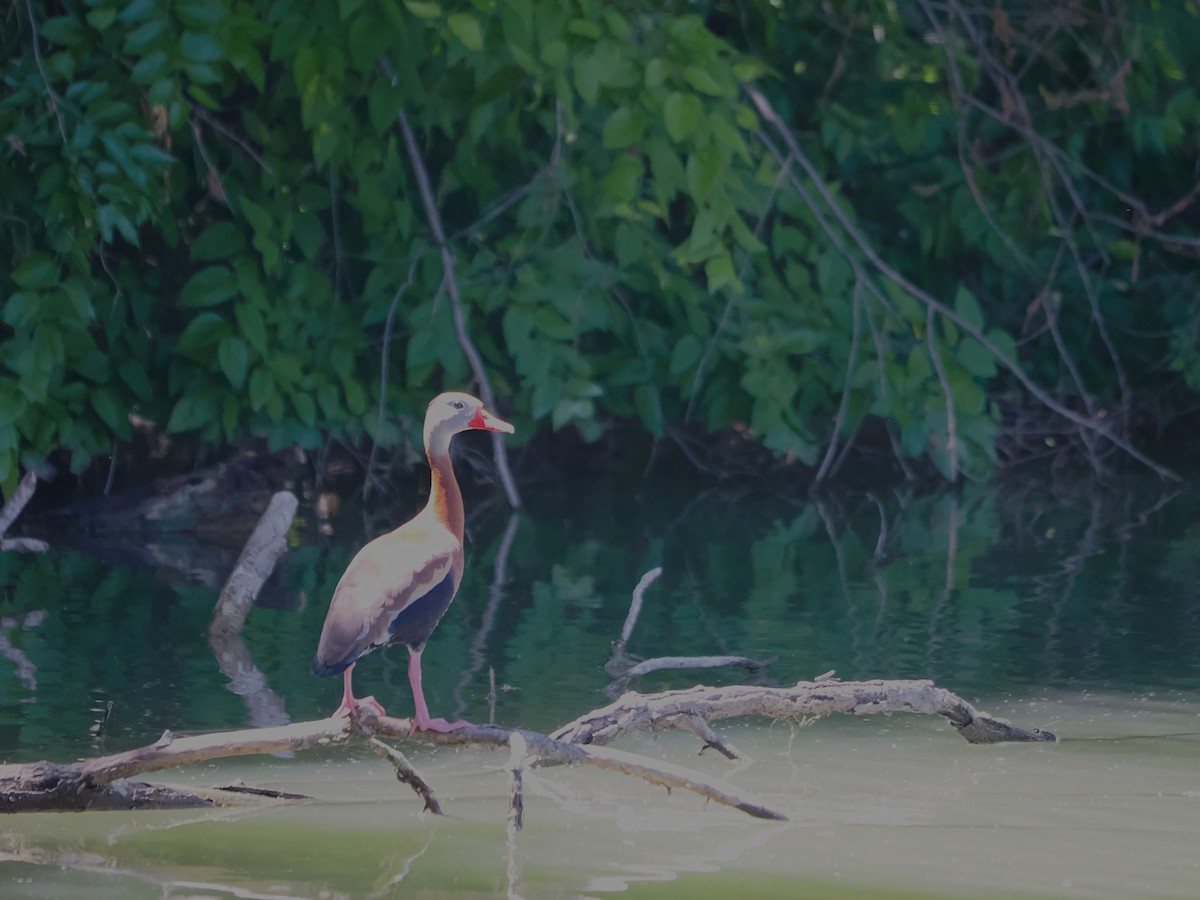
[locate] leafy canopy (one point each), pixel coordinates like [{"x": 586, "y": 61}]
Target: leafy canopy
[{"x": 795, "y": 219}]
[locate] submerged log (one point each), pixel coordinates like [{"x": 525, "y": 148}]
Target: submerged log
[{"x": 221, "y": 504}]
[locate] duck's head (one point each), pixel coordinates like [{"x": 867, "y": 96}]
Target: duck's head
[{"x": 455, "y": 412}]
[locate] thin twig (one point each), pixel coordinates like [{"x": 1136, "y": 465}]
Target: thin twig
[
  {"x": 935, "y": 357},
  {"x": 219, "y": 193},
  {"x": 406, "y": 774},
  {"x": 388, "y": 325},
  {"x": 54, "y": 100},
  {"x": 218, "y": 126},
  {"x": 839, "y": 418},
  {"x": 635, "y": 607}
]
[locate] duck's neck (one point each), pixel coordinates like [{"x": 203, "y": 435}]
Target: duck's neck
[{"x": 445, "y": 499}]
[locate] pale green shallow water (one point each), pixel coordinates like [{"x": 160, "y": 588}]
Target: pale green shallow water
[
  {"x": 1079, "y": 613},
  {"x": 879, "y": 807}
]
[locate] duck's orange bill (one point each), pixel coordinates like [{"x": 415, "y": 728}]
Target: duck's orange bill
[{"x": 487, "y": 422}]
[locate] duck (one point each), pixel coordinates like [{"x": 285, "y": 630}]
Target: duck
[{"x": 397, "y": 587}]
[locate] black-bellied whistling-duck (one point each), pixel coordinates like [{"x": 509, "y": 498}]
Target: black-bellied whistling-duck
[{"x": 398, "y": 587}]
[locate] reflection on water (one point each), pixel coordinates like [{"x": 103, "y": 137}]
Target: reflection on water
[{"x": 1062, "y": 606}]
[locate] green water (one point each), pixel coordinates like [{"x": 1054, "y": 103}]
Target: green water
[{"x": 1066, "y": 605}]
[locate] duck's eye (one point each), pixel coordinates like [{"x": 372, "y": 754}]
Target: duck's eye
[{"x": 458, "y": 404}]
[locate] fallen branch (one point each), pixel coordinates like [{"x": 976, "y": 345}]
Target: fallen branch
[
  {"x": 94, "y": 783},
  {"x": 98, "y": 782},
  {"x": 623, "y": 668},
  {"x": 101, "y": 782},
  {"x": 808, "y": 699}
]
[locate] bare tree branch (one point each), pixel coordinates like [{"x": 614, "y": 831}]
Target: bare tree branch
[
  {"x": 460, "y": 323},
  {"x": 1097, "y": 426},
  {"x": 935, "y": 356},
  {"x": 52, "y": 99}
]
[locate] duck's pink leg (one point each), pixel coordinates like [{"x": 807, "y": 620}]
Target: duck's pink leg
[
  {"x": 422, "y": 719},
  {"x": 350, "y": 703}
]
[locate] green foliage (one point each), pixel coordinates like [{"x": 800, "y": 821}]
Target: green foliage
[{"x": 210, "y": 217}]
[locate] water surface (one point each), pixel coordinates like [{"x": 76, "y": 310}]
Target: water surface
[{"x": 1068, "y": 606}]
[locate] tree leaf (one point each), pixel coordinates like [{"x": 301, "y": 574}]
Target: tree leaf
[
  {"x": 423, "y": 10},
  {"x": 220, "y": 240},
  {"x": 719, "y": 272},
  {"x": 685, "y": 354},
  {"x": 305, "y": 408},
  {"x": 210, "y": 286},
  {"x": 203, "y": 332},
  {"x": 40, "y": 270},
  {"x": 234, "y": 359},
  {"x": 967, "y": 306},
  {"x": 681, "y": 113},
  {"x": 112, "y": 412},
  {"x": 135, "y": 377},
  {"x": 262, "y": 388},
  {"x": 622, "y": 128},
  {"x": 466, "y": 28},
  {"x": 200, "y": 48},
  {"x": 193, "y": 411},
  {"x": 702, "y": 80}
]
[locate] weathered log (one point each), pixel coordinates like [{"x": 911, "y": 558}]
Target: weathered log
[
  {"x": 266, "y": 544},
  {"x": 12, "y": 509},
  {"x": 657, "y": 712},
  {"x": 83, "y": 784},
  {"x": 94, "y": 783},
  {"x": 101, "y": 782}
]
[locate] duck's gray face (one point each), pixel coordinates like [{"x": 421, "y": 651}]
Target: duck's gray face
[{"x": 455, "y": 412}]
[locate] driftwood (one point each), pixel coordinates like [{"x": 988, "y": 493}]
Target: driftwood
[
  {"x": 102, "y": 782},
  {"x": 806, "y": 700},
  {"x": 267, "y": 543},
  {"x": 12, "y": 509}
]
